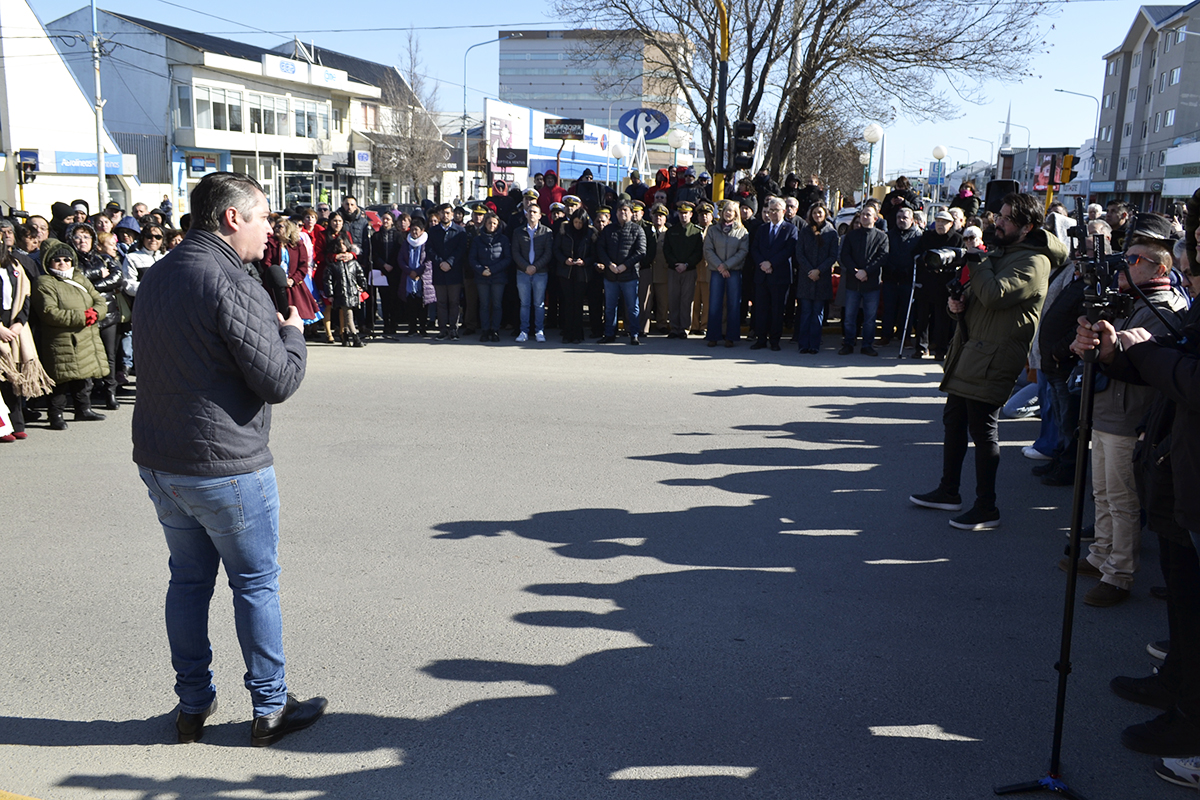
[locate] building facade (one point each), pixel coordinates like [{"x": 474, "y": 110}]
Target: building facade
[{"x": 1149, "y": 105}]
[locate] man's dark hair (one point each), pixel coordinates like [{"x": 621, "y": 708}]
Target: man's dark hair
[
  {"x": 1118, "y": 206},
  {"x": 1025, "y": 209},
  {"x": 218, "y": 191},
  {"x": 346, "y": 197}
]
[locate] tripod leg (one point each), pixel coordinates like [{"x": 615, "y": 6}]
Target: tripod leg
[{"x": 912, "y": 292}]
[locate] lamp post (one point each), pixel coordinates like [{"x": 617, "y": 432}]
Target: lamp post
[
  {"x": 618, "y": 152},
  {"x": 865, "y": 160},
  {"x": 940, "y": 152},
  {"x": 463, "y": 191},
  {"x": 991, "y": 150},
  {"x": 1095, "y": 138},
  {"x": 677, "y": 139},
  {"x": 872, "y": 134}
]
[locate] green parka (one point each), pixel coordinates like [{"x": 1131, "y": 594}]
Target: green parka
[
  {"x": 1004, "y": 300},
  {"x": 70, "y": 348}
]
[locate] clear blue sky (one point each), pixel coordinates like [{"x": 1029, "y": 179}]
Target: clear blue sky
[{"x": 1083, "y": 32}]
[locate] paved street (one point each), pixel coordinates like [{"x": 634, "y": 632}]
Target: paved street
[{"x": 556, "y": 573}]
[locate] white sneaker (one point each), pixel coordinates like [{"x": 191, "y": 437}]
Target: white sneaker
[
  {"x": 1180, "y": 771},
  {"x": 1033, "y": 453},
  {"x": 522, "y": 337},
  {"x": 539, "y": 336}
]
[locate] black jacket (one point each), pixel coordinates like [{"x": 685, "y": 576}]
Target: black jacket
[
  {"x": 448, "y": 245},
  {"x": 568, "y": 245},
  {"x": 902, "y": 249},
  {"x": 621, "y": 244},
  {"x": 358, "y": 228},
  {"x": 212, "y": 359},
  {"x": 865, "y": 249},
  {"x": 543, "y": 248},
  {"x": 93, "y": 266}
]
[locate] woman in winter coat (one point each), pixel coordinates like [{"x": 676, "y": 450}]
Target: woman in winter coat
[
  {"x": 21, "y": 374},
  {"x": 490, "y": 257},
  {"x": 574, "y": 253},
  {"x": 142, "y": 257},
  {"x": 106, "y": 276},
  {"x": 385, "y": 250},
  {"x": 416, "y": 268},
  {"x": 966, "y": 199},
  {"x": 69, "y": 309},
  {"x": 344, "y": 284},
  {"x": 286, "y": 250},
  {"x": 726, "y": 246},
  {"x": 816, "y": 253}
]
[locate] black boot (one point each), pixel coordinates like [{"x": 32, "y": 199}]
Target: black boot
[
  {"x": 85, "y": 414},
  {"x": 57, "y": 423},
  {"x": 345, "y": 341},
  {"x": 357, "y": 341},
  {"x": 110, "y": 400}
]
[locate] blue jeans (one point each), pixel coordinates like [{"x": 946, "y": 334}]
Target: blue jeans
[
  {"x": 613, "y": 292},
  {"x": 532, "y": 288},
  {"x": 724, "y": 303},
  {"x": 868, "y": 302},
  {"x": 808, "y": 324},
  {"x": 1047, "y": 441},
  {"x": 208, "y": 521},
  {"x": 491, "y": 296}
]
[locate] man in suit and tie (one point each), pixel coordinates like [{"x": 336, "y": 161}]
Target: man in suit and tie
[{"x": 772, "y": 248}]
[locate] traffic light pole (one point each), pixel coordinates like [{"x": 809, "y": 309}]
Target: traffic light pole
[{"x": 718, "y": 190}]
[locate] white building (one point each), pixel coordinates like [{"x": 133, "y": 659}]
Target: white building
[{"x": 46, "y": 113}]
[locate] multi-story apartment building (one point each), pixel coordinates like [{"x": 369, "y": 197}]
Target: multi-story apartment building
[
  {"x": 1149, "y": 105},
  {"x": 547, "y": 71}
]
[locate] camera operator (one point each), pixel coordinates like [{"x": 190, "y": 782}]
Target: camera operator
[
  {"x": 933, "y": 324},
  {"x": 998, "y": 314},
  {"x": 1172, "y": 366},
  {"x": 1118, "y": 410}
]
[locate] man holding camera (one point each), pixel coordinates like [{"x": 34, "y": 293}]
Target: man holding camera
[
  {"x": 997, "y": 316},
  {"x": 1117, "y": 413}
]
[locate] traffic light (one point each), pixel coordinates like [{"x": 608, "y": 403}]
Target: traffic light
[
  {"x": 1069, "y": 171},
  {"x": 27, "y": 173},
  {"x": 743, "y": 145}
]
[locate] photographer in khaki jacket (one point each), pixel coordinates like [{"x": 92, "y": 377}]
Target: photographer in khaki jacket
[{"x": 996, "y": 321}]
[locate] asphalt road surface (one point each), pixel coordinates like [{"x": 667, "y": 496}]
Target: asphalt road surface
[{"x": 549, "y": 572}]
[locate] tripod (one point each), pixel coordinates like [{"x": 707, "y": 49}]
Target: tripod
[{"x": 1053, "y": 782}]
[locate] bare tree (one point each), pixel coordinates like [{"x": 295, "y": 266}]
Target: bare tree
[
  {"x": 793, "y": 60},
  {"x": 413, "y": 148}
]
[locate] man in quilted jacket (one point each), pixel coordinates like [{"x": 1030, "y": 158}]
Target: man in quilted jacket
[{"x": 217, "y": 356}]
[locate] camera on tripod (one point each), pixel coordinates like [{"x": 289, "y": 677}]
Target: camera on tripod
[{"x": 1101, "y": 300}]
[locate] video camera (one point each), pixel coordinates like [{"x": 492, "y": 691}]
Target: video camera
[{"x": 952, "y": 258}]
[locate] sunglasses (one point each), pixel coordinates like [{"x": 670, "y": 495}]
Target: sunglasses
[
  {"x": 153, "y": 236},
  {"x": 56, "y": 259},
  {"x": 1133, "y": 260}
]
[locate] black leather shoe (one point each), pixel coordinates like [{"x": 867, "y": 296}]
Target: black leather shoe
[
  {"x": 57, "y": 423},
  {"x": 634, "y": 340},
  {"x": 775, "y": 348},
  {"x": 191, "y": 726},
  {"x": 294, "y": 716},
  {"x": 1149, "y": 691},
  {"x": 87, "y": 415},
  {"x": 759, "y": 345},
  {"x": 110, "y": 400}
]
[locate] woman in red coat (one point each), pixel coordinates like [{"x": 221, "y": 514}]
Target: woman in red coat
[{"x": 286, "y": 250}]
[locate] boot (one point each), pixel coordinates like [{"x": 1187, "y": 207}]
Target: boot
[
  {"x": 110, "y": 399},
  {"x": 85, "y": 414},
  {"x": 57, "y": 423},
  {"x": 357, "y": 341},
  {"x": 345, "y": 341},
  {"x": 328, "y": 330}
]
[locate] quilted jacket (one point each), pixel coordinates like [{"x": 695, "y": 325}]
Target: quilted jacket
[
  {"x": 70, "y": 349},
  {"x": 211, "y": 360}
]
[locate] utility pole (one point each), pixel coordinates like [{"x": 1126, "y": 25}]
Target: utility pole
[{"x": 101, "y": 183}]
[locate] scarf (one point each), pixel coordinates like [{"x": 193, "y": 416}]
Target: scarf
[
  {"x": 19, "y": 363},
  {"x": 416, "y": 247}
]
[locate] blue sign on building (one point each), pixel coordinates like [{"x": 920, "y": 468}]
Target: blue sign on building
[
  {"x": 651, "y": 121},
  {"x": 85, "y": 163}
]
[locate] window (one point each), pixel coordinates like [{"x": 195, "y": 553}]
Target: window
[
  {"x": 1150, "y": 162},
  {"x": 370, "y": 117},
  {"x": 1162, "y": 157},
  {"x": 1123, "y": 164},
  {"x": 183, "y": 106},
  {"x": 1132, "y": 94},
  {"x": 1128, "y": 129},
  {"x": 1158, "y": 122},
  {"x": 218, "y": 109},
  {"x": 312, "y": 119},
  {"x": 1112, "y": 67},
  {"x": 1162, "y": 82},
  {"x": 203, "y": 108},
  {"x": 1170, "y": 119},
  {"x": 1108, "y": 101},
  {"x": 1145, "y": 126},
  {"x": 268, "y": 114},
  {"x": 1139, "y": 169},
  {"x": 1176, "y": 75},
  {"x": 1153, "y": 57},
  {"x": 337, "y": 120},
  {"x": 1137, "y": 60},
  {"x": 1167, "y": 41}
]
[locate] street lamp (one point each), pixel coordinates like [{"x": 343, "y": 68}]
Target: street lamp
[
  {"x": 463, "y": 191},
  {"x": 618, "y": 152},
  {"x": 1095, "y": 138},
  {"x": 865, "y": 160},
  {"x": 872, "y": 134},
  {"x": 677, "y": 139},
  {"x": 940, "y": 152}
]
